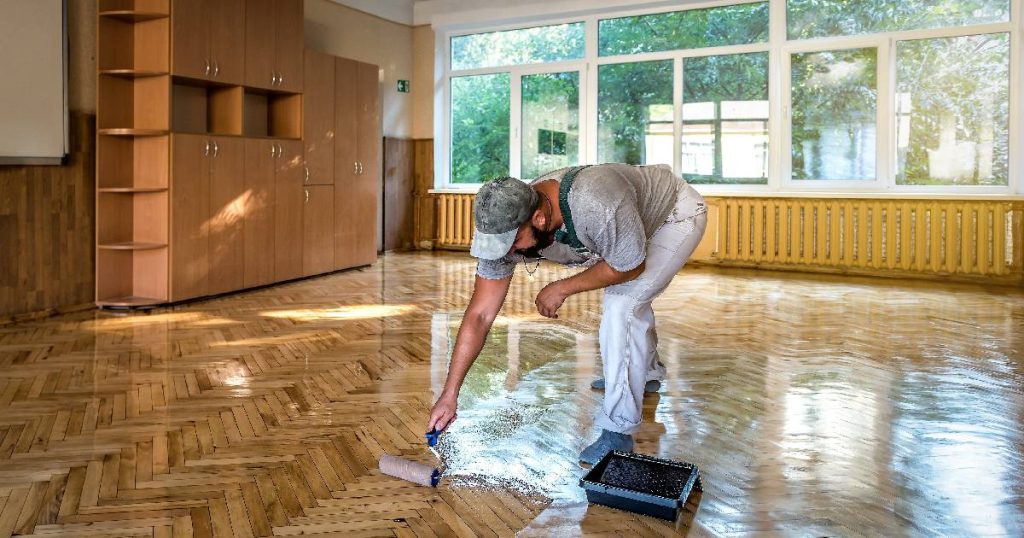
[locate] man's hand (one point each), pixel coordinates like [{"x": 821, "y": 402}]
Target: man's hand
[
  {"x": 443, "y": 413},
  {"x": 550, "y": 299}
]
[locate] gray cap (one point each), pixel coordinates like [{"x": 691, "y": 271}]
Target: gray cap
[{"x": 501, "y": 206}]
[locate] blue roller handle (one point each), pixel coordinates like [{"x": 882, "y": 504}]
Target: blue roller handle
[{"x": 432, "y": 436}]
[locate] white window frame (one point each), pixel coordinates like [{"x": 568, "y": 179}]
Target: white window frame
[{"x": 780, "y": 50}]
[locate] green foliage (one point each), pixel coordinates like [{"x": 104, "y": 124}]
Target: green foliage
[
  {"x": 694, "y": 28},
  {"x": 823, "y": 18},
  {"x": 517, "y": 47},
  {"x": 480, "y": 128}
]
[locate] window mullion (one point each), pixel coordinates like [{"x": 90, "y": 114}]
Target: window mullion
[
  {"x": 778, "y": 99},
  {"x": 885, "y": 165},
  {"x": 677, "y": 118}
]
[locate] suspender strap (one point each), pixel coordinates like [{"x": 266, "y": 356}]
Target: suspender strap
[{"x": 568, "y": 236}]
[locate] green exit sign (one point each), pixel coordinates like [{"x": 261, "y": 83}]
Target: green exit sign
[{"x": 403, "y": 86}]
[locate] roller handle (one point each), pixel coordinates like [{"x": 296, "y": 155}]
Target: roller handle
[{"x": 432, "y": 437}]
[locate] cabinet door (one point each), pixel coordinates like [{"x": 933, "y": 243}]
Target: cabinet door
[
  {"x": 346, "y": 123},
  {"x": 190, "y": 42},
  {"x": 190, "y": 206},
  {"x": 260, "y": 44},
  {"x": 228, "y": 202},
  {"x": 318, "y": 118},
  {"x": 318, "y": 229},
  {"x": 369, "y": 149},
  {"x": 258, "y": 216},
  {"x": 290, "y": 43},
  {"x": 288, "y": 211},
  {"x": 227, "y": 40}
]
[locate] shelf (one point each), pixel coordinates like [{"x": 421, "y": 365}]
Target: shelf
[
  {"x": 131, "y": 190},
  {"x": 130, "y": 301},
  {"x": 133, "y": 73},
  {"x": 133, "y": 132},
  {"x": 134, "y": 16},
  {"x": 131, "y": 245}
]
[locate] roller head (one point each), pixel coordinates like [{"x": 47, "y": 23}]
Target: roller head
[{"x": 409, "y": 470}]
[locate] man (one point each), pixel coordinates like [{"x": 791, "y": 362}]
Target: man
[{"x": 637, "y": 226}]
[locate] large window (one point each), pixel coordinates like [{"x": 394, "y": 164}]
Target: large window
[
  {"x": 480, "y": 125},
  {"x": 634, "y": 113},
  {"x": 860, "y": 95},
  {"x": 725, "y": 119},
  {"x": 835, "y": 106}
]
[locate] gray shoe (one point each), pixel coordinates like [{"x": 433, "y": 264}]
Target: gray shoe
[
  {"x": 608, "y": 441},
  {"x": 651, "y": 387}
]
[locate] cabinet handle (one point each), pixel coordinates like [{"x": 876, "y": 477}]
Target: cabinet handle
[
  {"x": 360, "y": 168},
  {"x": 273, "y": 152},
  {"x": 307, "y": 195},
  {"x": 280, "y": 150},
  {"x": 273, "y": 78},
  {"x": 307, "y": 174},
  {"x": 216, "y": 148},
  {"x": 216, "y": 68},
  {"x": 206, "y": 150},
  {"x": 206, "y": 72},
  {"x": 280, "y": 79}
]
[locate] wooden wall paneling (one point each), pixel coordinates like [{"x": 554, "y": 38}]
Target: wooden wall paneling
[
  {"x": 318, "y": 117},
  {"x": 425, "y": 209},
  {"x": 258, "y": 213},
  {"x": 290, "y": 39},
  {"x": 227, "y": 209},
  {"x": 227, "y": 41},
  {"x": 398, "y": 193},
  {"x": 190, "y": 209},
  {"x": 260, "y": 55},
  {"x": 190, "y": 38},
  {"x": 288, "y": 210},
  {"x": 47, "y": 229},
  {"x": 318, "y": 229}
]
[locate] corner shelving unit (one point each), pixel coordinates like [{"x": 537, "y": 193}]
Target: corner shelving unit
[{"x": 133, "y": 128}]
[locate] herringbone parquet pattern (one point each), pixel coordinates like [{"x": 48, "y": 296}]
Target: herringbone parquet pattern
[{"x": 814, "y": 406}]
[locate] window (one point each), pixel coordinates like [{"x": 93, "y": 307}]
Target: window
[
  {"x": 953, "y": 100},
  {"x": 634, "y": 113},
  {"x": 822, "y": 18},
  {"x": 914, "y": 96},
  {"x": 480, "y": 125},
  {"x": 517, "y": 47},
  {"x": 690, "y": 29},
  {"x": 725, "y": 119},
  {"x": 835, "y": 100},
  {"x": 551, "y": 122}
]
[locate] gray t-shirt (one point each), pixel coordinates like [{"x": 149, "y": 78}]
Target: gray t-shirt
[{"x": 615, "y": 207}]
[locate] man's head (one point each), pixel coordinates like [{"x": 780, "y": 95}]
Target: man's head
[{"x": 508, "y": 217}]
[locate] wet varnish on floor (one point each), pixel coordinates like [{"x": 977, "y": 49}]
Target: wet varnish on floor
[{"x": 813, "y": 406}]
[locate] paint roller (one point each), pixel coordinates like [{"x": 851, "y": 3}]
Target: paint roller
[{"x": 412, "y": 471}]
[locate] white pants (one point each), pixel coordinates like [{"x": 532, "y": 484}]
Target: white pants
[{"x": 629, "y": 341}]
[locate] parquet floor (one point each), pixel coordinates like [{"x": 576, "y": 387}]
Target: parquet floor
[{"x": 815, "y": 406}]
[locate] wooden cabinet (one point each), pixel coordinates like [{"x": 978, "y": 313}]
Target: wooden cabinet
[
  {"x": 357, "y": 163},
  {"x": 207, "y": 198},
  {"x": 273, "y": 44},
  {"x": 288, "y": 179},
  {"x": 318, "y": 229},
  {"x": 207, "y": 41},
  {"x": 258, "y": 220},
  {"x": 228, "y": 201},
  {"x": 318, "y": 109}
]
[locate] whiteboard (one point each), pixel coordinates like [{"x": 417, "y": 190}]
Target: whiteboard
[{"x": 33, "y": 82}]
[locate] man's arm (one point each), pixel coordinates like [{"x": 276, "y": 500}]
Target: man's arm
[
  {"x": 600, "y": 275},
  {"x": 488, "y": 296}
]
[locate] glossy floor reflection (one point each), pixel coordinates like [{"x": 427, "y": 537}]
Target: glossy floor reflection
[{"x": 814, "y": 406}]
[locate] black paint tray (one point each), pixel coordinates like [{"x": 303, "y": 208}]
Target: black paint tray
[{"x": 641, "y": 484}]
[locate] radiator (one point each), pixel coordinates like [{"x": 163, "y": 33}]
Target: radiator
[{"x": 970, "y": 238}]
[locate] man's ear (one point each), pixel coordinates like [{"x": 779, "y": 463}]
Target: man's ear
[{"x": 539, "y": 219}]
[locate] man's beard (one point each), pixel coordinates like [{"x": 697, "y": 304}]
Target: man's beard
[{"x": 544, "y": 240}]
